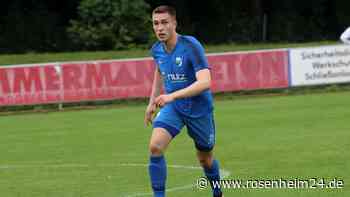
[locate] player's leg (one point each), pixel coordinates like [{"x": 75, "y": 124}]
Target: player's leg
[
  {"x": 202, "y": 131},
  {"x": 211, "y": 169},
  {"x": 166, "y": 126},
  {"x": 159, "y": 141}
]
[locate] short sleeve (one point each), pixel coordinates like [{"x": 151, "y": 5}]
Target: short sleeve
[{"x": 197, "y": 56}]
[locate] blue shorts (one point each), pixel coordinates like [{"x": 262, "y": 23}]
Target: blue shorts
[{"x": 201, "y": 130}]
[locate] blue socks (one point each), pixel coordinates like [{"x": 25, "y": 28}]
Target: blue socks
[
  {"x": 214, "y": 175},
  {"x": 158, "y": 173}
]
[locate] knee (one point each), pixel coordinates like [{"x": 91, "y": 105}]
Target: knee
[{"x": 155, "y": 149}]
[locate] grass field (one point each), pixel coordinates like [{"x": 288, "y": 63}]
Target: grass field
[{"x": 103, "y": 152}]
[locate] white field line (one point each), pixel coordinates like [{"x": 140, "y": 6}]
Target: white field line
[{"x": 224, "y": 173}]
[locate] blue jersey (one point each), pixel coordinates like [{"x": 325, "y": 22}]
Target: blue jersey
[{"x": 178, "y": 69}]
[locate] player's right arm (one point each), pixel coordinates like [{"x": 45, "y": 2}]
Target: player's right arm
[{"x": 156, "y": 87}]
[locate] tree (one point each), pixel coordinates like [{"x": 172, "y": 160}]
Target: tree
[
  {"x": 35, "y": 25},
  {"x": 110, "y": 24}
]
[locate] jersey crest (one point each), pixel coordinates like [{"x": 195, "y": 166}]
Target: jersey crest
[{"x": 178, "y": 61}]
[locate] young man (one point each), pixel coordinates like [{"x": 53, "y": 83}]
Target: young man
[
  {"x": 183, "y": 70},
  {"x": 345, "y": 36}
]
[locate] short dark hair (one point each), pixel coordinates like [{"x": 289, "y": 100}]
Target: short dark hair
[{"x": 165, "y": 9}]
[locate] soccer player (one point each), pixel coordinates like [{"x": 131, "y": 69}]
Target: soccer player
[
  {"x": 345, "y": 36},
  {"x": 184, "y": 71}
]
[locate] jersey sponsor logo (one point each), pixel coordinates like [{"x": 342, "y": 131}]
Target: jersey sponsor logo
[{"x": 177, "y": 77}]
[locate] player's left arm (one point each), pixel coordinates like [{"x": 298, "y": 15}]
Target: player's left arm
[{"x": 202, "y": 83}]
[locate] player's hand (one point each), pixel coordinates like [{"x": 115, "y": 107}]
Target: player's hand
[
  {"x": 163, "y": 99},
  {"x": 149, "y": 114}
]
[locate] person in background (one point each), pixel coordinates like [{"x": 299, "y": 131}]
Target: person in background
[{"x": 345, "y": 36}]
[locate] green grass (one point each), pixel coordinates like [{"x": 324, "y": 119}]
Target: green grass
[
  {"x": 135, "y": 53},
  {"x": 79, "y": 153}
]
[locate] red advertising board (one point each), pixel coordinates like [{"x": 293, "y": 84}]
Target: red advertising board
[
  {"x": 29, "y": 85},
  {"x": 105, "y": 80},
  {"x": 249, "y": 71}
]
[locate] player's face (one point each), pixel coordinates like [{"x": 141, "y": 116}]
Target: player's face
[{"x": 164, "y": 26}]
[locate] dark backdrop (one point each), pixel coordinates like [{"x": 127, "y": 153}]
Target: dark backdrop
[{"x": 41, "y": 25}]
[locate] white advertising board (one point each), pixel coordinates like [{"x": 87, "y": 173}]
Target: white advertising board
[{"x": 319, "y": 65}]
